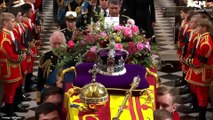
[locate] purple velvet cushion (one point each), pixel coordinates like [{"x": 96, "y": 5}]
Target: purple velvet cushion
[{"x": 120, "y": 82}]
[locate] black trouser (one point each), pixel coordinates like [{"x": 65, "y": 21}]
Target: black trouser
[
  {"x": 18, "y": 96},
  {"x": 9, "y": 109},
  {"x": 2, "y": 93},
  {"x": 28, "y": 82},
  {"x": 211, "y": 97}
]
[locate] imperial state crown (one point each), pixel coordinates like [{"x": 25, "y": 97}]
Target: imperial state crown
[{"x": 111, "y": 61}]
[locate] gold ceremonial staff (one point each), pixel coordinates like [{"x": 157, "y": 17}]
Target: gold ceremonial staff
[{"x": 134, "y": 85}]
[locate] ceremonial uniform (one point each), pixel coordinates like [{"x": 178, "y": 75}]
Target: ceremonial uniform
[
  {"x": 10, "y": 68},
  {"x": 67, "y": 33},
  {"x": 200, "y": 72},
  {"x": 30, "y": 31},
  {"x": 47, "y": 70},
  {"x": 19, "y": 35},
  {"x": 188, "y": 48},
  {"x": 70, "y": 18},
  {"x": 182, "y": 37}
]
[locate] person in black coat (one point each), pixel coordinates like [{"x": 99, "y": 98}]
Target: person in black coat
[
  {"x": 114, "y": 11},
  {"x": 70, "y": 20},
  {"x": 143, "y": 13}
]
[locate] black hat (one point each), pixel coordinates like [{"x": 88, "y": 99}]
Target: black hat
[{"x": 70, "y": 16}]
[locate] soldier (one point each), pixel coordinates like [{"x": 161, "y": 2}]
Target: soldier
[
  {"x": 199, "y": 75},
  {"x": 70, "y": 19},
  {"x": 48, "y": 63},
  {"x": 63, "y": 6},
  {"x": 187, "y": 51},
  {"x": 182, "y": 39},
  {"x": 10, "y": 59},
  {"x": 31, "y": 33},
  {"x": 19, "y": 36}
]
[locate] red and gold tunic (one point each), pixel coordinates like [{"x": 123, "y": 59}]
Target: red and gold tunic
[
  {"x": 9, "y": 59},
  {"x": 30, "y": 60},
  {"x": 181, "y": 37},
  {"x": 18, "y": 30},
  {"x": 193, "y": 37},
  {"x": 201, "y": 65}
]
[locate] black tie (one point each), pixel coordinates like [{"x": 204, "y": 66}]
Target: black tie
[{"x": 105, "y": 13}]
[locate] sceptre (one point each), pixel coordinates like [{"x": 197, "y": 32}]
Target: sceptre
[{"x": 134, "y": 84}]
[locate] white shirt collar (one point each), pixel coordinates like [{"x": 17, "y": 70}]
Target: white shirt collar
[{"x": 107, "y": 11}]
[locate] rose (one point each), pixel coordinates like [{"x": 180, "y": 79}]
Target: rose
[
  {"x": 135, "y": 29},
  {"x": 117, "y": 28},
  {"x": 131, "y": 48},
  {"x": 127, "y": 32},
  {"x": 140, "y": 46},
  {"x": 130, "y": 22},
  {"x": 103, "y": 34},
  {"x": 147, "y": 46},
  {"x": 82, "y": 43},
  {"x": 70, "y": 44},
  {"x": 93, "y": 49},
  {"x": 118, "y": 46}
]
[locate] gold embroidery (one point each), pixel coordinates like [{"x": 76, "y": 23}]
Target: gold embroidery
[
  {"x": 8, "y": 69},
  {"x": 196, "y": 70},
  {"x": 197, "y": 83}
]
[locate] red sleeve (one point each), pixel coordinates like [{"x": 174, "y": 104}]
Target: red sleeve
[
  {"x": 37, "y": 4},
  {"x": 8, "y": 50},
  {"x": 204, "y": 51},
  {"x": 176, "y": 116}
]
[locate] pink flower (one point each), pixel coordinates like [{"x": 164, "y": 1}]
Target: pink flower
[
  {"x": 118, "y": 46},
  {"x": 135, "y": 29},
  {"x": 70, "y": 44},
  {"x": 131, "y": 48},
  {"x": 103, "y": 34},
  {"x": 147, "y": 46},
  {"x": 140, "y": 46},
  {"x": 130, "y": 22},
  {"x": 127, "y": 32},
  {"x": 89, "y": 38},
  {"x": 82, "y": 43},
  {"x": 117, "y": 28},
  {"x": 93, "y": 49}
]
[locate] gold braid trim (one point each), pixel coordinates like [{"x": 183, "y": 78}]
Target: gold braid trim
[
  {"x": 148, "y": 72},
  {"x": 69, "y": 6},
  {"x": 60, "y": 76},
  {"x": 78, "y": 10},
  {"x": 46, "y": 68},
  {"x": 60, "y": 3},
  {"x": 38, "y": 96},
  {"x": 65, "y": 71}
]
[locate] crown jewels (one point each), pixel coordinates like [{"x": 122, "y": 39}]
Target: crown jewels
[{"x": 111, "y": 61}]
